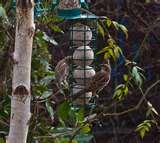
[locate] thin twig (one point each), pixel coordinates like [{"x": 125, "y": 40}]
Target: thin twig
[{"x": 55, "y": 135}]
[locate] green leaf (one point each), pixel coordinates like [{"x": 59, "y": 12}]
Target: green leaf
[
  {"x": 111, "y": 42},
  {"x": 84, "y": 138},
  {"x": 116, "y": 53},
  {"x": 117, "y": 94},
  {"x": 50, "y": 110},
  {"x": 134, "y": 71},
  {"x": 151, "y": 108},
  {"x": 149, "y": 111},
  {"x": 46, "y": 94},
  {"x": 142, "y": 133},
  {"x": 121, "y": 27},
  {"x": 116, "y": 25},
  {"x": 144, "y": 127},
  {"x": 125, "y": 77},
  {"x": 47, "y": 79},
  {"x": 63, "y": 110},
  {"x": 85, "y": 129},
  {"x": 103, "y": 50},
  {"x": 120, "y": 91},
  {"x": 148, "y": 124},
  {"x": 107, "y": 55},
  {"x": 136, "y": 76},
  {"x": 49, "y": 39},
  {"x": 125, "y": 91},
  {"x": 56, "y": 28},
  {"x": 111, "y": 53},
  {"x": 80, "y": 116},
  {"x": 108, "y": 22},
  {"x": 119, "y": 86},
  {"x": 2, "y": 12},
  {"x": 124, "y": 29},
  {"x": 101, "y": 30}
]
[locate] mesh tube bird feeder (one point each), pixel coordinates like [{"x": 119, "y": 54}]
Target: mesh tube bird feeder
[
  {"x": 83, "y": 45},
  {"x": 82, "y": 36}
]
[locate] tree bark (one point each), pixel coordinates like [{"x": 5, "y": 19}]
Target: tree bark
[{"x": 21, "y": 94}]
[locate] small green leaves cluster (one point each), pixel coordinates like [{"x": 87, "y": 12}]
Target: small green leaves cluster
[
  {"x": 121, "y": 27},
  {"x": 135, "y": 72},
  {"x": 107, "y": 23},
  {"x": 120, "y": 92},
  {"x": 70, "y": 115},
  {"x": 134, "y": 77},
  {"x": 41, "y": 73},
  {"x": 41, "y": 70},
  {"x": 112, "y": 50},
  {"x": 51, "y": 22},
  {"x": 73, "y": 117},
  {"x": 145, "y": 127}
]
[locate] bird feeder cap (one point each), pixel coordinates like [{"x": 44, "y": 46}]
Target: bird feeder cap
[
  {"x": 69, "y": 13},
  {"x": 73, "y": 14}
]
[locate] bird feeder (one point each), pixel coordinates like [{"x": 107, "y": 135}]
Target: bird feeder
[{"x": 83, "y": 37}]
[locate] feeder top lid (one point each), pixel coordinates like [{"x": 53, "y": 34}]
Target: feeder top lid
[{"x": 74, "y": 14}]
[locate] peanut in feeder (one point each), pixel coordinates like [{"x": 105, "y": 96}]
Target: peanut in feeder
[
  {"x": 83, "y": 56},
  {"x": 81, "y": 35},
  {"x": 82, "y": 76}
]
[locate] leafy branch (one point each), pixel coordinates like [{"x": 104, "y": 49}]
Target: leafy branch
[
  {"x": 102, "y": 114},
  {"x": 144, "y": 127}
]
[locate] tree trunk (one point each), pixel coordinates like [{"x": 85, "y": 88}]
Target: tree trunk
[{"x": 21, "y": 95}]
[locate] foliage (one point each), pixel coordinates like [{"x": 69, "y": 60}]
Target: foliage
[
  {"x": 113, "y": 51},
  {"x": 133, "y": 78},
  {"x": 70, "y": 118},
  {"x": 41, "y": 71},
  {"x": 144, "y": 127},
  {"x": 71, "y": 125}
]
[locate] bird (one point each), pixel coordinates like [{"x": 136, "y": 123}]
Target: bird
[
  {"x": 62, "y": 71},
  {"x": 98, "y": 81}
]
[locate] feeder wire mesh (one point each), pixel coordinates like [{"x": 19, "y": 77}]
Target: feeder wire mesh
[{"x": 82, "y": 68}]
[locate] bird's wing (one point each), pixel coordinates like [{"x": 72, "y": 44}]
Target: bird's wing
[
  {"x": 100, "y": 76},
  {"x": 96, "y": 81},
  {"x": 59, "y": 64}
]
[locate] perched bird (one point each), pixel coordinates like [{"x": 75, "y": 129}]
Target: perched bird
[
  {"x": 62, "y": 71},
  {"x": 98, "y": 81}
]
